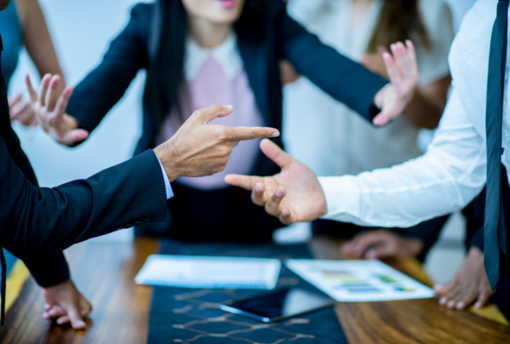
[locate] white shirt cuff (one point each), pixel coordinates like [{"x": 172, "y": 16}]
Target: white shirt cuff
[
  {"x": 168, "y": 187},
  {"x": 342, "y": 197}
]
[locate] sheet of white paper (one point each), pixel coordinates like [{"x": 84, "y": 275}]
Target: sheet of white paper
[
  {"x": 209, "y": 272},
  {"x": 357, "y": 280}
]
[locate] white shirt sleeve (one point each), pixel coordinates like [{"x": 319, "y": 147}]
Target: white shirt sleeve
[
  {"x": 445, "y": 179},
  {"x": 168, "y": 187}
]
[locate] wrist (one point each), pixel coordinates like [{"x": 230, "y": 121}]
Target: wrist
[{"x": 162, "y": 153}]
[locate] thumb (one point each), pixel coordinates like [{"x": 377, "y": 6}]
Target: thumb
[
  {"x": 275, "y": 153},
  {"x": 208, "y": 114}
]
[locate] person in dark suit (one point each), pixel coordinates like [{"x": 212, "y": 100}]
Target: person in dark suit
[
  {"x": 41, "y": 222},
  {"x": 202, "y": 51}
]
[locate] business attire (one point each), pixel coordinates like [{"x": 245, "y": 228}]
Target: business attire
[
  {"x": 246, "y": 65},
  {"x": 37, "y": 223},
  {"x": 344, "y": 143},
  {"x": 455, "y": 167},
  {"x": 48, "y": 270}
]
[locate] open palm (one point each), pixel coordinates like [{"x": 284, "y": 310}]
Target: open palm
[{"x": 293, "y": 195}]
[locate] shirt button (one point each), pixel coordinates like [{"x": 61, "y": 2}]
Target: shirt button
[{"x": 507, "y": 135}]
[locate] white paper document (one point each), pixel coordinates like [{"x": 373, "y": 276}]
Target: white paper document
[
  {"x": 359, "y": 280},
  {"x": 209, "y": 272}
]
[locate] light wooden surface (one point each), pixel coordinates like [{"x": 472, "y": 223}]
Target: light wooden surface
[{"x": 104, "y": 272}]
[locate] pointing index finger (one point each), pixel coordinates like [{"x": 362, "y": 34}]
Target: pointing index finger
[{"x": 250, "y": 133}]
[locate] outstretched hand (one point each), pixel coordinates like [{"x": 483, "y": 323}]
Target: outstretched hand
[
  {"x": 402, "y": 70},
  {"x": 293, "y": 195},
  {"x": 50, "y": 109}
]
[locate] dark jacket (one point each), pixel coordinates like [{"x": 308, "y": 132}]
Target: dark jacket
[
  {"x": 41, "y": 222},
  {"x": 261, "y": 46}
]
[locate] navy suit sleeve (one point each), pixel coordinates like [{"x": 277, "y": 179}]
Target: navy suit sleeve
[
  {"x": 477, "y": 239},
  {"x": 345, "y": 80},
  {"x": 48, "y": 270},
  {"x": 41, "y": 221},
  {"x": 105, "y": 86}
]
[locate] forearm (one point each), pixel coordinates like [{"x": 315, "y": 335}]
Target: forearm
[
  {"x": 444, "y": 180},
  {"x": 49, "y": 270},
  {"x": 39, "y": 221}
]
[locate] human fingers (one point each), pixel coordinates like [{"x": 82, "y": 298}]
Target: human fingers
[
  {"x": 207, "y": 114},
  {"x": 363, "y": 241},
  {"x": 411, "y": 52},
  {"x": 275, "y": 153},
  {"x": 401, "y": 59},
  {"x": 483, "y": 297},
  {"x": 43, "y": 89},
  {"x": 74, "y": 136},
  {"x": 383, "y": 250},
  {"x": 51, "y": 95},
  {"x": 249, "y": 133},
  {"x": 63, "y": 100},
  {"x": 14, "y": 100},
  {"x": 258, "y": 196},
  {"x": 273, "y": 205},
  {"x": 31, "y": 91},
  {"x": 466, "y": 297},
  {"x": 245, "y": 182},
  {"x": 392, "y": 69},
  {"x": 286, "y": 217},
  {"x": 56, "y": 311},
  {"x": 452, "y": 296},
  {"x": 23, "y": 113},
  {"x": 63, "y": 320},
  {"x": 76, "y": 319}
]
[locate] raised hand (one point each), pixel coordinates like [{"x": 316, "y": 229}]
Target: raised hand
[
  {"x": 21, "y": 111},
  {"x": 293, "y": 195},
  {"x": 50, "y": 109},
  {"x": 201, "y": 149},
  {"x": 402, "y": 70},
  {"x": 65, "y": 304}
]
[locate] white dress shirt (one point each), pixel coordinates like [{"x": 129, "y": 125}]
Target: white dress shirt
[{"x": 453, "y": 171}]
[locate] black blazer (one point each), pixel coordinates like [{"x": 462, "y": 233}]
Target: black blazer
[
  {"x": 36, "y": 224},
  {"x": 262, "y": 47}
]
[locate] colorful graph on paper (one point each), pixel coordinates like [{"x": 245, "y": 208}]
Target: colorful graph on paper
[{"x": 356, "y": 280}]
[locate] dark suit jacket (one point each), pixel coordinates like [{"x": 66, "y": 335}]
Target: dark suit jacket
[
  {"x": 41, "y": 222},
  {"x": 262, "y": 47}
]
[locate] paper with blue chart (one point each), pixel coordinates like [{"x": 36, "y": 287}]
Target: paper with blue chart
[
  {"x": 358, "y": 281},
  {"x": 209, "y": 272}
]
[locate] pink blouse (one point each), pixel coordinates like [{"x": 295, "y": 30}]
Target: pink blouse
[{"x": 217, "y": 76}]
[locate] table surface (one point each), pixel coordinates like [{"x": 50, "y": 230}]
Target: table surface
[{"x": 104, "y": 273}]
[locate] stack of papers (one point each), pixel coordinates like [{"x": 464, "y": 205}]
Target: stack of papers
[
  {"x": 356, "y": 280},
  {"x": 209, "y": 272}
]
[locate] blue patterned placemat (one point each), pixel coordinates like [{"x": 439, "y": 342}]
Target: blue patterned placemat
[{"x": 182, "y": 315}]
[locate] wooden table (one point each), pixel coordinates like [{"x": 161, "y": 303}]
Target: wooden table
[{"x": 104, "y": 273}]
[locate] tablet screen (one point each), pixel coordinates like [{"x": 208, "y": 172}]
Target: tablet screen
[{"x": 283, "y": 303}]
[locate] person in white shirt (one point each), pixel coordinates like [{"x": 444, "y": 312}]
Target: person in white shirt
[
  {"x": 341, "y": 142},
  {"x": 446, "y": 178}
]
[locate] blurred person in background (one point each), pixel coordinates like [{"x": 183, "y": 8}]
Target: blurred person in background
[
  {"x": 201, "y": 52},
  {"x": 22, "y": 23},
  {"x": 340, "y": 142}
]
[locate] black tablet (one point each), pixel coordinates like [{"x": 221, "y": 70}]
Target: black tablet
[{"x": 279, "y": 304}]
